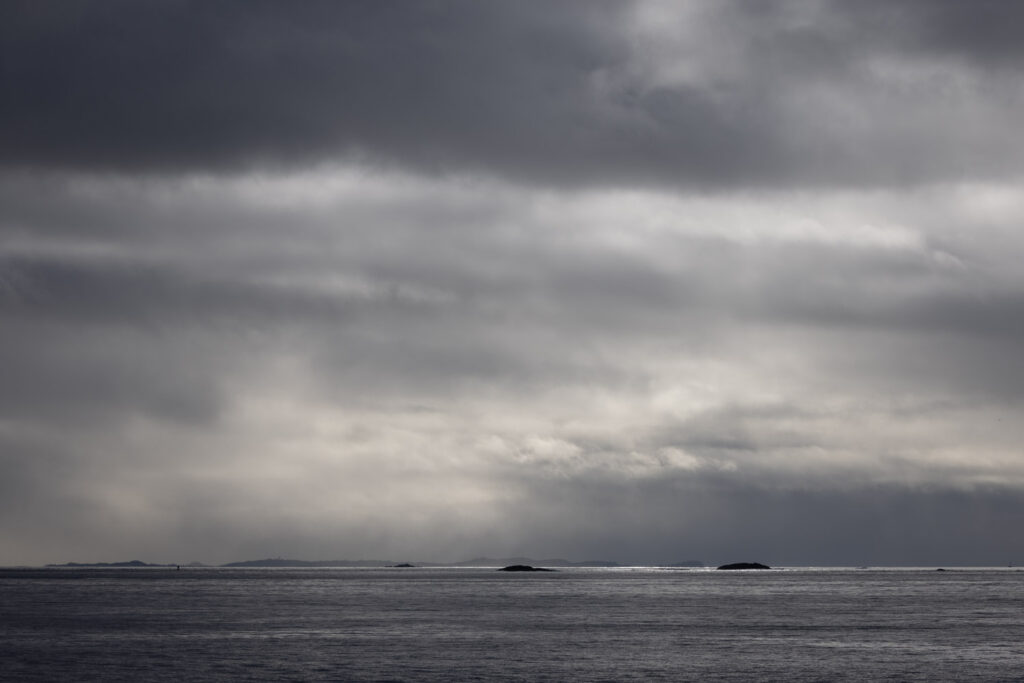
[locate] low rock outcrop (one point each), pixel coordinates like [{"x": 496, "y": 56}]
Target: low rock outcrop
[{"x": 523, "y": 568}]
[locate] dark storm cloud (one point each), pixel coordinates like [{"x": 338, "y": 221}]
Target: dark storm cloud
[
  {"x": 985, "y": 31},
  {"x": 180, "y": 85},
  {"x": 569, "y": 92}
]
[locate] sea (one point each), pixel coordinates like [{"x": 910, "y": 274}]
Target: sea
[{"x": 462, "y": 624}]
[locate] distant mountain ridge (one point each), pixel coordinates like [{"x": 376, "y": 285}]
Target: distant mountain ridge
[
  {"x": 475, "y": 562},
  {"x": 129, "y": 563}
]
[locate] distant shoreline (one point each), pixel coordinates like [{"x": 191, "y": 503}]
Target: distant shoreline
[
  {"x": 475, "y": 562},
  {"x": 129, "y": 563}
]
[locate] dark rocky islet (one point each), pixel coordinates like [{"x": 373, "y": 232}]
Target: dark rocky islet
[{"x": 523, "y": 568}]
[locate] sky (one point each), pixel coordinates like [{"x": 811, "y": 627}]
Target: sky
[{"x": 643, "y": 282}]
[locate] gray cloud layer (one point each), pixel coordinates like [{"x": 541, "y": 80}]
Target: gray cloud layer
[
  {"x": 643, "y": 281},
  {"x": 767, "y": 93},
  {"x": 260, "y": 365}
]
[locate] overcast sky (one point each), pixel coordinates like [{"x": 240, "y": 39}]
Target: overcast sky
[{"x": 635, "y": 281}]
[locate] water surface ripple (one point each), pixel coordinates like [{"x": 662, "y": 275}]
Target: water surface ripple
[{"x": 482, "y": 625}]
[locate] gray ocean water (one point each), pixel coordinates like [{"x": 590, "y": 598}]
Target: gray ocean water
[{"x": 479, "y": 624}]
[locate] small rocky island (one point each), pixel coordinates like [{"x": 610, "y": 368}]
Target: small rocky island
[
  {"x": 745, "y": 565},
  {"x": 523, "y": 568}
]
